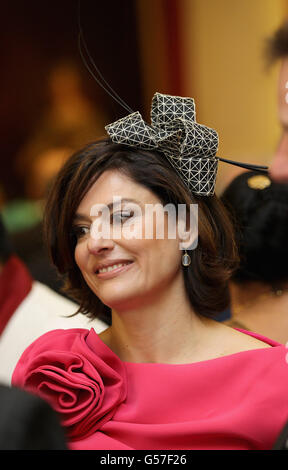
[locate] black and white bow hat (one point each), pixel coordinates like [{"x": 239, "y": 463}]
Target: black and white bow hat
[{"x": 189, "y": 147}]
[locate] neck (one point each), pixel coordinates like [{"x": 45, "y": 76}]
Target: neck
[{"x": 165, "y": 329}]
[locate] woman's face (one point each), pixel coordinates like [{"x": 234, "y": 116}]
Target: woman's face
[{"x": 124, "y": 271}]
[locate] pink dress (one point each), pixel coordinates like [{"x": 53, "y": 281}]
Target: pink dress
[{"x": 239, "y": 401}]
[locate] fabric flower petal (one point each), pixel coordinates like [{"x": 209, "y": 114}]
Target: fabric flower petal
[{"x": 63, "y": 367}]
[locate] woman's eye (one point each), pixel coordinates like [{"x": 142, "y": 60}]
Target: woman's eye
[
  {"x": 80, "y": 231},
  {"x": 120, "y": 217}
]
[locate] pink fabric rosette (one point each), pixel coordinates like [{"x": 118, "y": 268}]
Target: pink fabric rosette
[{"x": 64, "y": 368}]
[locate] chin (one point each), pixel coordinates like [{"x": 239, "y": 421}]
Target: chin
[{"x": 122, "y": 302}]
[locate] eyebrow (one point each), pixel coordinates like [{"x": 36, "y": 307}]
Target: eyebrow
[{"x": 84, "y": 217}]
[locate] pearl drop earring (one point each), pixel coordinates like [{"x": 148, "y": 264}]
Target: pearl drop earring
[{"x": 186, "y": 260}]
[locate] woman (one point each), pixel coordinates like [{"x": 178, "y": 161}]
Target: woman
[
  {"x": 165, "y": 375},
  {"x": 259, "y": 286}
]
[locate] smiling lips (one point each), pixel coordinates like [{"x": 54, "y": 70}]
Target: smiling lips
[{"x": 116, "y": 267}]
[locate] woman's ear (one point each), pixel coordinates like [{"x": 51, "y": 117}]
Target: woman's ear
[{"x": 188, "y": 228}]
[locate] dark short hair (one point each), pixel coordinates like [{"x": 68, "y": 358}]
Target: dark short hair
[
  {"x": 260, "y": 217},
  {"x": 277, "y": 44},
  {"x": 212, "y": 261}
]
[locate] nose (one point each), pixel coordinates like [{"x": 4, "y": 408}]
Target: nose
[
  {"x": 279, "y": 166},
  {"x": 97, "y": 243}
]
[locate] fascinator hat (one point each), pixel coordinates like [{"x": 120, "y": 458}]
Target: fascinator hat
[{"x": 188, "y": 146}]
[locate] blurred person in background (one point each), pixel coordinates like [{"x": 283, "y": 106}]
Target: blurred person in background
[
  {"x": 28, "y": 308},
  {"x": 28, "y": 422},
  {"x": 68, "y": 121},
  {"x": 259, "y": 287},
  {"x": 278, "y": 50}
]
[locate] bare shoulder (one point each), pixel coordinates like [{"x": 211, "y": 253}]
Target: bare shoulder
[
  {"x": 225, "y": 340},
  {"x": 237, "y": 341}
]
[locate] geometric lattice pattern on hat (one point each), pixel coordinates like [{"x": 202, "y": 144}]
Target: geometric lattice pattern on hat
[{"x": 189, "y": 147}]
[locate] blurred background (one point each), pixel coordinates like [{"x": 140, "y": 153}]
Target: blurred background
[{"x": 212, "y": 50}]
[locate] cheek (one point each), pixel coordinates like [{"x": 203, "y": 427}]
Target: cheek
[
  {"x": 161, "y": 258},
  {"x": 79, "y": 256}
]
